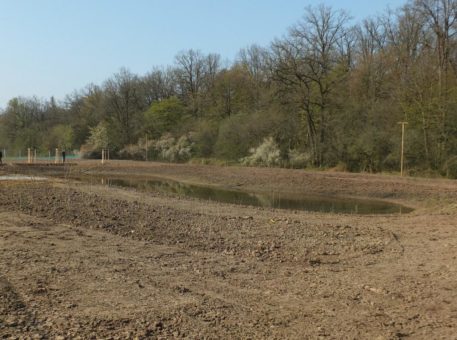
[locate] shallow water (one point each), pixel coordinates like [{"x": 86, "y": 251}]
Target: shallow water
[
  {"x": 272, "y": 200},
  {"x": 21, "y": 178}
]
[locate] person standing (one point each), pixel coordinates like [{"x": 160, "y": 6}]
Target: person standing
[{"x": 63, "y": 157}]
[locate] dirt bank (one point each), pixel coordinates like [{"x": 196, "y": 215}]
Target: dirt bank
[
  {"x": 419, "y": 192},
  {"x": 93, "y": 261}
]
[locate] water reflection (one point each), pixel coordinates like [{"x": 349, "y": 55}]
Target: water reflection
[
  {"x": 272, "y": 200},
  {"x": 21, "y": 178}
]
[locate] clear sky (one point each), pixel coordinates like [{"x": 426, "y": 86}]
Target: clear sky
[{"x": 53, "y": 47}]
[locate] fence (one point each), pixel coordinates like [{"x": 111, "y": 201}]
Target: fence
[{"x": 37, "y": 157}]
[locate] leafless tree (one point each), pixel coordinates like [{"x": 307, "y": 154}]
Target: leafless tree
[
  {"x": 306, "y": 62},
  {"x": 441, "y": 17},
  {"x": 158, "y": 84},
  {"x": 195, "y": 73},
  {"x": 123, "y": 102}
]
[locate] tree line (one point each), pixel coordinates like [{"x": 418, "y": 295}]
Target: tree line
[{"x": 326, "y": 94}]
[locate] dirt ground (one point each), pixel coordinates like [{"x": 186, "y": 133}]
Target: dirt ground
[{"x": 91, "y": 261}]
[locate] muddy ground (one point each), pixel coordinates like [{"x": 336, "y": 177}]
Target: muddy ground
[{"x": 92, "y": 261}]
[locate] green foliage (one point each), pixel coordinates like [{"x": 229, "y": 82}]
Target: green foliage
[
  {"x": 163, "y": 116},
  {"x": 98, "y": 138},
  {"x": 60, "y": 136},
  {"x": 237, "y": 134},
  {"x": 233, "y": 138},
  {"x": 86, "y": 110},
  {"x": 205, "y": 137},
  {"x": 369, "y": 153},
  {"x": 450, "y": 168},
  {"x": 233, "y": 92},
  {"x": 326, "y": 95}
]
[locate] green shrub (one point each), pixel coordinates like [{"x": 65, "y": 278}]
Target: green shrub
[{"x": 450, "y": 167}]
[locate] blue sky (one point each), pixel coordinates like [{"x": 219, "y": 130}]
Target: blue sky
[{"x": 53, "y": 47}]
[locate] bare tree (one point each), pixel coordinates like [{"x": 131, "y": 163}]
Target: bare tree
[
  {"x": 311, "y": 61},
  {"x": 195, "y": 73},
  {"x": 255, "y": 59},
  {"x": 190, "y": 73},
  {"x": 441, "y": 17},
  {"x": 158, "y": 84},
  {"x": 123, "y": 103},
  {"x": 212, "y": 68}
]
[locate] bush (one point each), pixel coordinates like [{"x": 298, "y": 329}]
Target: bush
[
  {"x": 164, "y": 116},
  {"x": 164, "y": 147},
  {"x": 233, "y": 139},
  {"x": 205, "y": 138},
  {"x": 133, "y": 151},
  {"x": 97, "y": 140},
  {"x": 266, "y": 153},
  {"x": 183, "y": 148},
  {"x": 238, "y": 132},
  {"x": 298, "y": 159},
  {"x": 174, "y": 151},
  {"x": 450, "y": 167},
  {"x": 167, "y": 148}
]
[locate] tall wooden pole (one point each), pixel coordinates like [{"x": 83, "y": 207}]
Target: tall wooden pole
[{"x": 402, "y": 145}]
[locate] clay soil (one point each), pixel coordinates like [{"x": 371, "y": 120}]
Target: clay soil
[{"x": 92, "y": 261}]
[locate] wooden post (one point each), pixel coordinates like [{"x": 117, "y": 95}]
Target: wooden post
[
  {"x": 29, "y": 156},
  {"x": 56, "y": 160},
  {"x": 34, "y": 156},
  {"x": 402, "y": 145},
  {"x": 103, "y": 156}
]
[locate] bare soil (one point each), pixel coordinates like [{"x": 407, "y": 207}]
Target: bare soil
[{"x": 92, "y": 261}]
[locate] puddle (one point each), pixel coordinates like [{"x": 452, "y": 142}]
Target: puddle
[
  {"x": 21, "y": 178},
  {"x": 271, "y": 200}
]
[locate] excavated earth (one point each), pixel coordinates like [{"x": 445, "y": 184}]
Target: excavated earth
[{"x": 91, "y": 261}]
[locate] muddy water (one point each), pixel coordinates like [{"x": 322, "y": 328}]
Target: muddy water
[
  {"x": 21, "y": 178},
  {"x": 271, "y": 200}
]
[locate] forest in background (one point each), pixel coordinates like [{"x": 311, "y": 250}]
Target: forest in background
[{"x": 328, "y": 94}]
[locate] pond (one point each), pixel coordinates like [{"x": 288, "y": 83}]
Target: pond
[
  {"x": 277, "y": 200},
  {"x": 21, "y": 178}
]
